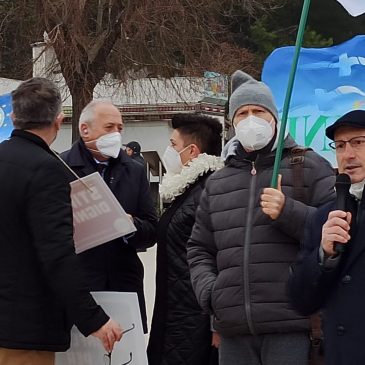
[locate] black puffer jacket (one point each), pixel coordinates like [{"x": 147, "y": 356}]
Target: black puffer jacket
[
  {"x": 180, "y": 333},
  {"x": 239, "y": 258}
]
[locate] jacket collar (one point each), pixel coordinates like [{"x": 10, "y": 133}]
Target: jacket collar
[
  {"x": 79, "y": 154},
  {"x": 266, "y": 158},
  {"x": 32, "y": 138}
]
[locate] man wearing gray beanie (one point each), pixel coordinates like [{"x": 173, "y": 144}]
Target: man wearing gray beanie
[{"x": 246, "y": 234}]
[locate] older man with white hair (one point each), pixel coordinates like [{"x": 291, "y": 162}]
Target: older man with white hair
[{"x": 115, "y": 265}]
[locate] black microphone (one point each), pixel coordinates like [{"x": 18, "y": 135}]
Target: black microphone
[{"x": 342, "y": 185}]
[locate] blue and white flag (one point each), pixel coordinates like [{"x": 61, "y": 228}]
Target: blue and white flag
[
  {"x": 6, "y": 124},
  {"x": 329, "y": 83},
  {"x": 353, "y": 7}
]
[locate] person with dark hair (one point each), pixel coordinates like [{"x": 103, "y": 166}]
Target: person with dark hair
[
  {"x": 246, "y": 234},
  {"x": 329, "y": 273},
  {"x": 181, "y": 332},
  {"x": 133, "y": 150},
  {"x": 114, "y": 265},
  {"x": 42, "y": 288}
]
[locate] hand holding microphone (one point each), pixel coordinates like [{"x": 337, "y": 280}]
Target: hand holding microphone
[{"x": 335, "y": 232}]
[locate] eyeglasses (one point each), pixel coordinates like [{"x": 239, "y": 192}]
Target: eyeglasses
[
  {"x": 129, "y": 329},
  {"x": 108, "y": 359},
  {"x": 108, "y": 356},
  {"x": 356, "y": 143}
]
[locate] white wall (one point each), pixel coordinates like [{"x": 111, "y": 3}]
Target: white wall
[
  {"x": 63, "y": 140},
  {"x": 8, "y": 85},
  {"x": 152, "y": 136}
]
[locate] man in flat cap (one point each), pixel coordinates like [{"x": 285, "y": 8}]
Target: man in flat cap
[
  {"x": 333, "y": 281},
  {"x": 247, "y": 234},
  {"x": 133, "y": 150}
]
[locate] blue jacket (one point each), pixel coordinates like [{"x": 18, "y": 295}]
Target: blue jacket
[{"x": 338, "y": 292}]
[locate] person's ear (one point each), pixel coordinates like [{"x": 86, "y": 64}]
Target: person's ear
[
  {"x": 84, "y": 131},
  {"x": 59, "y": 120},
  {"x": 194, "y": 151}
]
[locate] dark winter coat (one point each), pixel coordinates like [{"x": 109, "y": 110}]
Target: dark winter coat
[
  {"x": 338, "y": 292},
  {"x": 115, "y": 265},
  {"x": 138, "y": 158},
  {"x": 239, "y": 258},
  {"x": 180, "y": 333},
  {"x": 41, "y": 290}
]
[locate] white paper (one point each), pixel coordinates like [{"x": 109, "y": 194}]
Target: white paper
[
  {"x": 123, "y": 308},
  {"x": 97, "y": 215},
  {"x": 353, "y": 7}
]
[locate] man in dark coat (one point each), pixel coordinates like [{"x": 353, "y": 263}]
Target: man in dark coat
[
  {"x": 246, "y": 235},
  {"x": 41, "y": 286},
  {"x": 133, "y": 150},
  {"x": 115, "y": 265},
  {"x": 181, "y": 332},
  {"x": 328, "y": 280}
]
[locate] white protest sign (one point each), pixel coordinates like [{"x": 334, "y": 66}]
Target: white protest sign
[
  {"x": 123, "y": 308},
  {"x": 98, "y": 216}
]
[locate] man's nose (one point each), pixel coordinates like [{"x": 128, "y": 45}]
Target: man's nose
[{"x": 349, "y": 151}]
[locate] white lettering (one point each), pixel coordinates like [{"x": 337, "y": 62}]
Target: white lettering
[{"x": 91, "y": 212}]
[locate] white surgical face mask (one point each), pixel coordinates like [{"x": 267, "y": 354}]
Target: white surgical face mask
[
  {"x": 254, "y": 133},
  {"x": 172, "y": 161},
  {"x": 109, "y": 144}
]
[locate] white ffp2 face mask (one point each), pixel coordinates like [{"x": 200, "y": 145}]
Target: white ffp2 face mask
[
  {"x": 357, "y": 189},
  {"x": 254, "y": 133},
  {"x": 172, "y": 161},
  {"x": 109, "y": 144}
]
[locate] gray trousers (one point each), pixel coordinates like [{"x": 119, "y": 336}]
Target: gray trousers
[{"x": 269, "y": 349}]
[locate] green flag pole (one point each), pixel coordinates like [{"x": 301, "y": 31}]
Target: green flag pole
[{"x": 289, "y": 91}]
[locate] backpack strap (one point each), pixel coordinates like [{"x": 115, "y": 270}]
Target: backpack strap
[
  {"x": 316, "y": 352},
  {"x": 316, "y": 326},
  {"x": 297, "y": 155},
  {"x": 297, "y": 162}
]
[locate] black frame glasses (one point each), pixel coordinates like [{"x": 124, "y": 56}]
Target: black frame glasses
[
  {"x": 356, "y": 143},
  {"x": 108, "y": 356},
  {"x": 129, "y": 329}
]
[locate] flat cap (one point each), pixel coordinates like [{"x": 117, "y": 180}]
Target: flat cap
[
  {"x": 355, "y": 119},
  {"x": 134, "y": 146}
]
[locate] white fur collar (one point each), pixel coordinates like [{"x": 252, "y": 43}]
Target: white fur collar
[{"x": 174, "y": 185}]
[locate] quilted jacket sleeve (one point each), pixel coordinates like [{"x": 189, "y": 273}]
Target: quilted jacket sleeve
[
  {"x": 202, "y": 255},
  {"x": 319, "y": 181}
]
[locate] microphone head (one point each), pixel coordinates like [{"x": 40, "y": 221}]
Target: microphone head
[
  {"x": 343, "y": 183},
  {"x": 343, "y": 179}
]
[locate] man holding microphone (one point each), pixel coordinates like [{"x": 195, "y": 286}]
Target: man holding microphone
[{"x": 330, "y": 271}]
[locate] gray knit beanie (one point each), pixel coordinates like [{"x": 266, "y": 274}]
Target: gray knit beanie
[{"x": 248, "y": 91}]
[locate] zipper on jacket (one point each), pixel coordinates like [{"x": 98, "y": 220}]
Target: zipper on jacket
[
  {"x": 246, "y": 250},
  {"x": 253, "y": 170}
]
